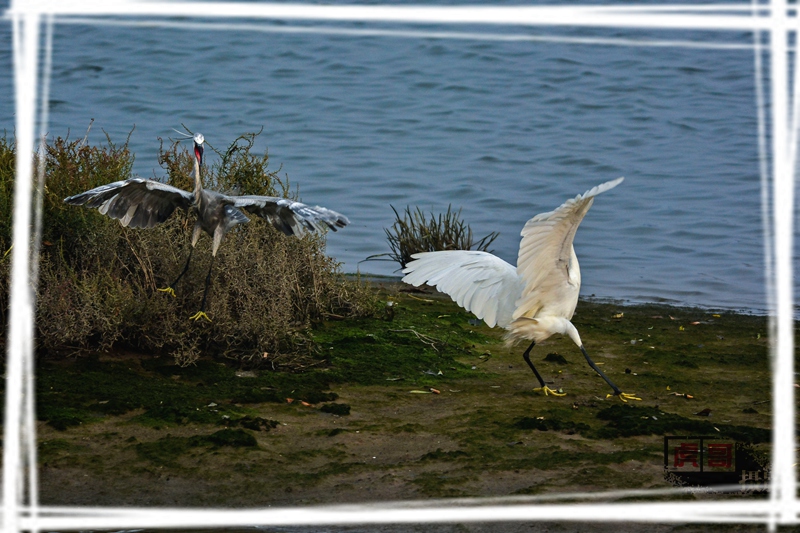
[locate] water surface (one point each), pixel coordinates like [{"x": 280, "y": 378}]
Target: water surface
[{"x": 502, "y": 130}]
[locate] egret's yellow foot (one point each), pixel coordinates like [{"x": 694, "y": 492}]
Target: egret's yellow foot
[
  {"x": 198, "y": 315},
  {"x": 547, "y": 390},
  {"x": 624, "y": 396},
  {"x": 168, "y": 290}
]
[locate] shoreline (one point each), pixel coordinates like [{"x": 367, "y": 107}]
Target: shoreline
[
  {"x": 121, "y": 428},
  {"x": 754, "y": 311}
]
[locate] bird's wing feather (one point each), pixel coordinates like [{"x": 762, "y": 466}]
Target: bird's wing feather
[
  {"x": 546, "y": 255},
  {"x": 480, "y": 282},
  {"x": 135, "y": 202},
  {"x": 292, "y": 218}
]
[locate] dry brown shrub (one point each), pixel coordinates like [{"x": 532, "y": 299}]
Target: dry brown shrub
[{"x": 98, "y": 280}]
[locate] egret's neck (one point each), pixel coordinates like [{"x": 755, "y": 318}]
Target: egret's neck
[{"x": 570, "y": 330}]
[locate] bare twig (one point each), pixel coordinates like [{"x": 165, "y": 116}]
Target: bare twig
[{"x": 425, "y": 339}]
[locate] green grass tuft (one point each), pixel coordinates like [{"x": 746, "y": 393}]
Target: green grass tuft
[{"x": 414, "y": 233}]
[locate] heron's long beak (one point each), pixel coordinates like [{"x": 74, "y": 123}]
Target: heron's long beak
[{"x": 198, "y": 153}]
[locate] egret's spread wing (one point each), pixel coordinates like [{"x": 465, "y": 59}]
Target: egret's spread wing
[
  {"x": 479, "y": 282},
  {"x": 547, "y": 261},
  {"x": 135, "y": 202},
  {"x": 292, "y": 218}
]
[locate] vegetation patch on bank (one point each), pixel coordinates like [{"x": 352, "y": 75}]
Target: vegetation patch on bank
[
  {"x": 419, "y": 403},
  {"x": 98, "y": 280}
]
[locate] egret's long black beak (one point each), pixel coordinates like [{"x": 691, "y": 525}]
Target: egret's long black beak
[{"x": 600, "y": 372}]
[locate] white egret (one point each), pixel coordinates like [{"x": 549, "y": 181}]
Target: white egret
[{"x": 532, "y": 301}]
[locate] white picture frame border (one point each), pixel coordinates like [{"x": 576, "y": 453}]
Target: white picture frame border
[{"x": 778, "y": 20}]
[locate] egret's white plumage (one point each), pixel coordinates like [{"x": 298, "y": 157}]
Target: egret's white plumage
[
  {"x": 477, "y": 281},
  {"x": 532, "y": 301}
]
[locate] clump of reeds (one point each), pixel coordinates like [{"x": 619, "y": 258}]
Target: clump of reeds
[
  {"x": 413, "y": 233},
  {"x": 98, "y": 280}
]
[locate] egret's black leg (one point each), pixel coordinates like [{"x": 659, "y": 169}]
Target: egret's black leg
[
  {"x": 202, "y": 312},
  {"x": 622, "y": 395},
  {"x": 545, "y": 388},
  {"x": 526, "y": 356},
  {"x": 170, "y": 289}
]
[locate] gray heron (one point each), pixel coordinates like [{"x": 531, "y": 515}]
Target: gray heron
[
  {"x": 532, "y": 301},
  {"x": 145, "y": 203}
]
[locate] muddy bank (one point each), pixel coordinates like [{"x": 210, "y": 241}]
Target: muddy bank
[{"x": 419, "y": 402}]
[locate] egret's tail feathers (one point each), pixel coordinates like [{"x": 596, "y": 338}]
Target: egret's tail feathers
[
  {"x": 523, "y": 328},
  {"x": 541, "y": 328}
]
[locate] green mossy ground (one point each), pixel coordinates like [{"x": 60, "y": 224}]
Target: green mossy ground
[{"x": 417, "y": 402}]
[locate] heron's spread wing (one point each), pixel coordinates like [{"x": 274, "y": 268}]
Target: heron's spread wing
[
  {"x": 547, "y": 261},
  {"x": 292, "y": 218},
  {"x": 477, "y": 281},
  {"x": 135, "y": 202}
]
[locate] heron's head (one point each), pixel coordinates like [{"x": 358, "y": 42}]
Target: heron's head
[{"x": 198, "y": 147}]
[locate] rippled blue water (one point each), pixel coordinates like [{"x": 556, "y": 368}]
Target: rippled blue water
[{"x": 504, "y": 130}]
